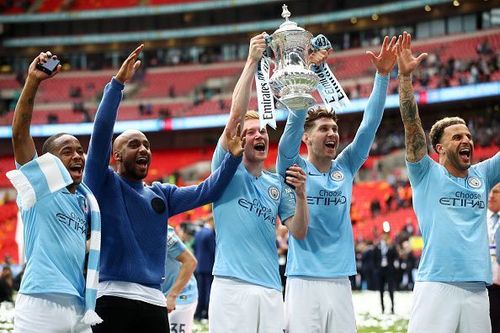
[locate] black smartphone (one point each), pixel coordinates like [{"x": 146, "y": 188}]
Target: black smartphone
[
  {"x": 292, "y": 186},
  {"x": 48, "y": 67}
]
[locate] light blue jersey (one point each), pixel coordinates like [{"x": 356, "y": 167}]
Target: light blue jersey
[
  {"x": 245, "y": 225},
  {"x": 175, "y": 247},
  {"x": 451, "y": 213},
  {"x": 328, "y": 249},
  {"x": 55, "y": 228}
]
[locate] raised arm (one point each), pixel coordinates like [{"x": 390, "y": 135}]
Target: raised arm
[
  {"x": 102, "y": 133},
  {"x": 383, "y": 62},
  {"x": 22, "y": 142},
  {"x": 298, "y": 224},
  {"x": 416, "y": 147},
  {"x": 188, "y": 265},
  {"x": 243, "y": 88},
  {"x": 189, "y": 197},
  {"x": 289, "y": 144}
]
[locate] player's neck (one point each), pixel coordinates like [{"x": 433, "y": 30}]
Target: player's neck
[
  {"x": 71, "y": 188},
  {"x": 254, "y": 168},
  {"x": 322, "y": 164},
  {"x": 452, "y": 170}
]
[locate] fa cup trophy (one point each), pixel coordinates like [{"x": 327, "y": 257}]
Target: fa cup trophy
[
  {"x": 294, "y": 78},
  {"x": 292, "y": 81}
]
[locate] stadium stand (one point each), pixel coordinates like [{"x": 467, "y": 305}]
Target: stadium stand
[
  {"x": 102, "y": 4},
  {"x": 8, "y": 223},
  {"x": 161, "y": 85},
  {"x": 48, "y": 6}
]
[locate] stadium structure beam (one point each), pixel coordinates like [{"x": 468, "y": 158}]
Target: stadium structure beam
[{"x": 218, "y": 30}]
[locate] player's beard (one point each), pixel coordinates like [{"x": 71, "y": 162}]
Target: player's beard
[{"x": 456, "y": 160}]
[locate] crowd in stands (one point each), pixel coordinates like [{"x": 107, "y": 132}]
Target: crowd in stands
[
  {"x": 47, "y": 6},
  {"x": 15, "y": 6},
  {"x": 199, "y": 98},
  {"x": 435, "y": 72}
]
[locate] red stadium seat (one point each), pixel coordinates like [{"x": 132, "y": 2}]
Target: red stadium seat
[{"x": 352, "y": 67}]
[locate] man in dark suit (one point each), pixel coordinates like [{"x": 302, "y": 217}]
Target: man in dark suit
[
  {"x": 204, "y": 251},
  {"x": 493, "y": 224},
  {"x": 385, "y": 256}
]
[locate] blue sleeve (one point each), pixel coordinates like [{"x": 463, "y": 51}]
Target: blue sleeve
[
  {"x": 211, "y": 243},
  {"x": 185, "y": 198},
  {"x": 357, "y": 152},
  {"x": 491, "y": 170},
  {"x": 175, "y": 246},
  {"x": 100, "y": 142},
  {"x": 218, "y": 156},
  {"x": 418, "y": 170},
  {"x": 289, "y": 145},
  {"x": 288, "y": 201}
]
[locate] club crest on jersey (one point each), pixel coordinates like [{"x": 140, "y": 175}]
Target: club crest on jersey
[
  {"x": 337, "y": 176},
  {"x": 474, "y": 182},
  {"x": 273, "y": 192}
]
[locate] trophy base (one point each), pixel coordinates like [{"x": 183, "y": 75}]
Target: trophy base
[{"x": 298, "y": 101}]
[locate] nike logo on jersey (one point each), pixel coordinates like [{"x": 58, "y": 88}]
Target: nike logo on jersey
[{"x": 314, "y": 174}]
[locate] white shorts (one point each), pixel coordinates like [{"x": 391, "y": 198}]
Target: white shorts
[
  {"x": 239, "y": 307},
  {"x": 55, "y": 313},
  {"x": 319, "y": 306},
  {"x": 446, "y": 308},
  {"x": 181, "y": 319}
]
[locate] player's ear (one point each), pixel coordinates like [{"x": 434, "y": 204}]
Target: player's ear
[
  {"x": 439, "y": 148},
  {"x": 305, "y": 137}
]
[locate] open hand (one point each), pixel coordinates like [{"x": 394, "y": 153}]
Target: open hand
[
  {"x": 387, "y": 57},
  {"x": 130, "y": 65},
  {"x": 38, "y": 75},
  {"x": 406, "y": 61},
  {"x": 236, "y": 143},
  {"x": 296, "y": 177}
]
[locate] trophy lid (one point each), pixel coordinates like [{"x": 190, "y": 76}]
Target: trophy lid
[{"x": 288, "y": 25}]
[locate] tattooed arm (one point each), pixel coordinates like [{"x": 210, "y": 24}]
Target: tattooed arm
[
  {"x": 22, "y": 142},
  {"x": 416, "y": 147}
]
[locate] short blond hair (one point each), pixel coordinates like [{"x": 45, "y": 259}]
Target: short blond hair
[
  {"x": 251, "y": 114},
  {"x": 438, "y": 128}
]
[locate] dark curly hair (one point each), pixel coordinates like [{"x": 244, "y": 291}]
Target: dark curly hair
[
  {"x": 318, "y": 112},
  {"x": 437, "y": 129}
]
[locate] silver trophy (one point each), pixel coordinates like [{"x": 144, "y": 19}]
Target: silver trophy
[{"x": 292, "y": 81}]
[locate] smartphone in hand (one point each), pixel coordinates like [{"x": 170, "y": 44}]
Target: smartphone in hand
[
  {"x": 48, "y": 67},
  {"x": 291, "y": 186}
]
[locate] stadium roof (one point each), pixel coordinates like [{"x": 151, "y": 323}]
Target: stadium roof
[{"x": 180, "y": 33}]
